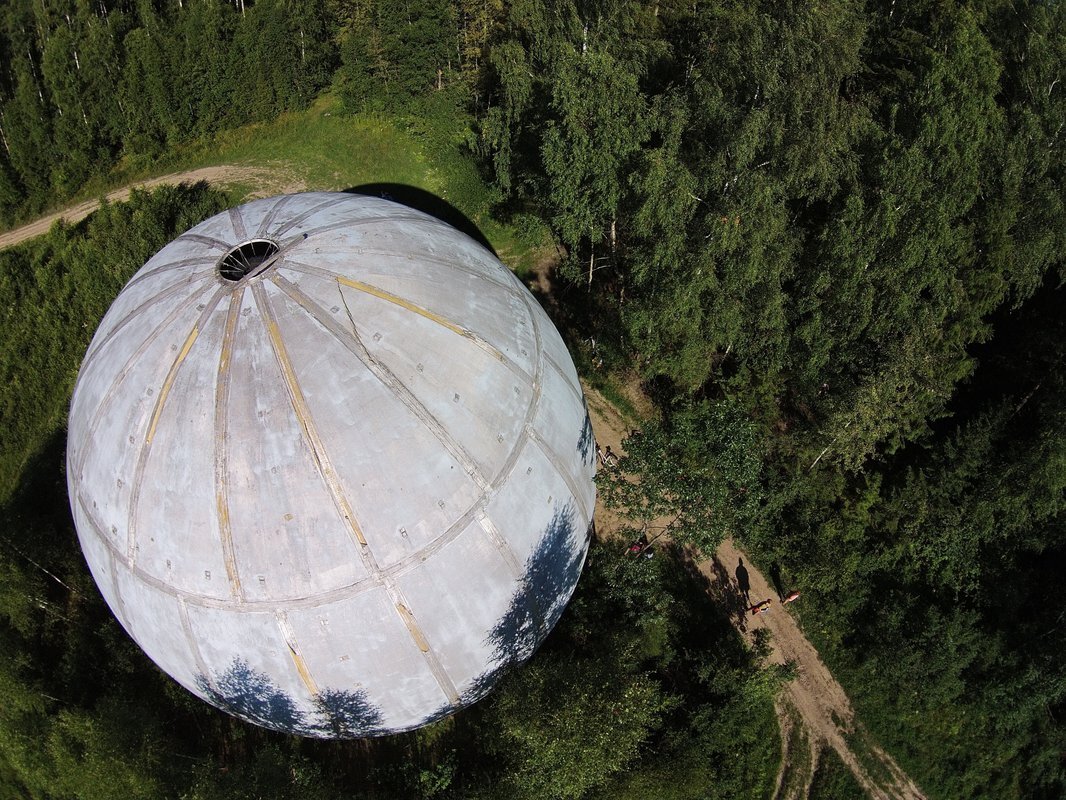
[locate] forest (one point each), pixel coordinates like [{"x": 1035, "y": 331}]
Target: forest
[{"x": 826, "y": 238}]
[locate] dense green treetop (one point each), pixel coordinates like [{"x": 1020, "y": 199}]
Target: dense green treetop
[{"x": 826, "y": 238}]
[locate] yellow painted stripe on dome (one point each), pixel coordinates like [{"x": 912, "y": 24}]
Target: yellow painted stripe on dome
[
  {"x": 225, "y": 529},
  {"x": 302, "y": 669},
  {"x": 303, "y": 416},
  {"x": 412, "y": 626},
  {"x": 161, "y": 401},
  {"x": 397, "y": 300}
]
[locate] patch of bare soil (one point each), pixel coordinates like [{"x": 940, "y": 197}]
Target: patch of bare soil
[
  {"x": 821, "y": 703},
  {"x": 271, "y": 180}
]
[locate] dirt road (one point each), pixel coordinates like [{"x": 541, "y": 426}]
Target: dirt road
[
  {"x": 822, "y": 705},
  {"x": 274, "y": 180}
]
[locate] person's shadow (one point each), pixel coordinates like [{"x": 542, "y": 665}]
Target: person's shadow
[
  {"x": 742, "y": 581},
  {"x": 775, "y": 578}
]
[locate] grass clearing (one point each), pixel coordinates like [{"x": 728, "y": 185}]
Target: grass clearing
[
  {"x": 833, "y": 780},
  {"x": 422, "y": 161},
  {"x": 795, "y": 753}
]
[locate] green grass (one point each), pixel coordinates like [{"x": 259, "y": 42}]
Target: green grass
[
  {"x": 796, "y": 752},
  {"x": 862, "y": 745},
  {"x": 833, "y": 780},
  {"x": 323, "y": 148}
]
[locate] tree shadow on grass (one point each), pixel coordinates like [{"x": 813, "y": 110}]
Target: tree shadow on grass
[{"x": 427, "y": 202}]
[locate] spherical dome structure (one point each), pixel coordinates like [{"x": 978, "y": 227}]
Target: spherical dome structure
[{"x": 330, "y": 465}]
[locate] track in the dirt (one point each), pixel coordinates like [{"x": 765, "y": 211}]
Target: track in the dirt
[
  {"x": 217, "y": 175},
  {"x": 823, "y": 706}
]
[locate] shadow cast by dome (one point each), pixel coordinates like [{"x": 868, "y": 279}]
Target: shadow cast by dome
[{"x": 427, "y": 202}]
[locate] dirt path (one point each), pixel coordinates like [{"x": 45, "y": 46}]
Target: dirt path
[
  {"x": 821, "y": 703},
  {"x": 274, "y": 180}
]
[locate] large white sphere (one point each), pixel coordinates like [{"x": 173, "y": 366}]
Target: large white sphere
[{"x": 336, "y": 488}]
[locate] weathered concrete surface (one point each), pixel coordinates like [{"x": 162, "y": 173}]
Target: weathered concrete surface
[{"x": 336, "y": 496}]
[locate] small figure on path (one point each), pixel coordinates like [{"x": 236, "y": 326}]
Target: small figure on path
[
  {"x": 639, "y": 546},
  {"x": 743, "y": 583},
  {"x": 792, "y": 596},
  {"x": 761, "y": 608},
  {"x": 608, "y": 458}
]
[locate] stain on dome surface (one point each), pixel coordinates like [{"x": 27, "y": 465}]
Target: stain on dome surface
[{"x": 325, "y": 455}]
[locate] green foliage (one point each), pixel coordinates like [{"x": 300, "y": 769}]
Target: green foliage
[
  {"x": 84, "y": 85},
  {"x": 699, "y": 472},
  {"x": 828, "y": 237},
  {"x": 53, "y": 293},
  {"x": 833, "y": 780},
  {"x": 390, "y": 54},
  {"x": 568, "y": 724}
]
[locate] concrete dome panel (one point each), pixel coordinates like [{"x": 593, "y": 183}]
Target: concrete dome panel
[
  {"x": 288, "y": 539},
  {"x": 249, "y": 666},
  {"x": 336, "y": 481},
  {"x": 123, "y": 427},
  {"x": 560, "y": 412},
  {"x": 100, "y": 557},
  {"x": 381, "y": 660},
  {"x": 466, "y": 404},
  {"x": 457, "y": 600},
  {"x": 397, "y": 517},
  {"x": 159, "y": 624},
  {"x": 532, "y": 492},
  {"x": 150, "y": 302},
  {"x": 174, "y": 483},
  {"x": 493, "y": 312}
]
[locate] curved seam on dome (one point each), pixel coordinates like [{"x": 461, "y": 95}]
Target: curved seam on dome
[
  {"x": 350, "y": 339},
  {"x": 318, "y": 313},
  {"x": 210, "y": 241},
  {"x": 336, "y": 489},
  {"x": 144, "y": 575},
  {"x": 143, "y": 274},
  {"x": 527, "y": 425},
  {"x": 120, "y": 601},
  {"x": 208, "y": 601},
  {"x": 534, "y": 400},
  {"x": 268, "y": 220},
  {"x": 189, "y": 280},
  {"x": 194, "y": 645},
  {"x": 564, "y": 473},
  {"x": 419, "y": 217},
  {"x": 352, "y": 223},
  {"x": 225, "y": 531},
  {"x": 531, "y": 431},
  {"x": 453, "y": 531},
  {"x": 486, "y": 524},
  {"x": 390, "y": 381},
  {"x": 307, "y": 425},
  {"x": 436, "y": 667},
  {"x": 160, "y": 403},
  {"x": 506, "y": 286},
  {"x": 110, "y": 393},
  {"x": 566, "y": 379},
  {"x": 439, "y": 319},
  {"x": 91, "y": 355},
  {"x": 236, "y": 221},
  {"x": 302, "y": 669},
  {"x": 292, "y": 223}
]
